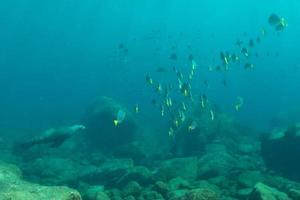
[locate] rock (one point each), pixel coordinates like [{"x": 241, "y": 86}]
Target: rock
[
  {"x": 13, "y": 187},
  {"x": 205, "y": 185},
  {"x": 161, "y": 188},
  {"x": 114, "y": 194},
  {"x": 248, "y": 179},
  {"x": 152, "y": 195},
  {"x": 140, "y": 174},
  {"x": 134, "y": 151},
  {"x": 53, "y": 170},
  {"x": 202, "y": 194},
  {"x": 294, "y": 194},
  {"x": 109, "y": 173},
  {"x": 186, "y": 168},
  {"x": 244, "y": 193},
  {"x": 177, "y": 195},
  {"x": 133, "y": 188},
  {"x": 129, "y": 198},
  {"x": 178, "y": 183},
  {"x": 102, "y": 196},
  {"x": 216, "y": 162},
  {"x": 281, "y": 151},
  {"x": 264, "y": 192},
  {"x": 92, "y": 192},
  {"x": 101, "y": 133}
]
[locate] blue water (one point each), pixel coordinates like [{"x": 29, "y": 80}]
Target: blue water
[{"x": 57, "y": 56}]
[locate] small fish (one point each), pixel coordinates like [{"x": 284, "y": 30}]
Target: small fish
[
  {"x": 249, "y": 66},
  {"x": 274, "y": 19},
  {"x": 238, "y": 43},
  {"x": 278, "y": 22},
  {"x": 183, "y": 106},
  {"x": 218, "y": 68},
  {"x": 193, "y": 126},
  {"x": 191, "y": 57},
  {"x": 210, "y": 68},
  {"x": 212, "y": 115},
  {"x": 206, "y": 83},
  {"x": 239, "y": 104},
  {"x": 203, "y": 100},
  {"x": 149, "y": 80},
  {"x": 179, "y": 75},
  {"x": 137, "y": 108},
  {"x": 182, "y": 116},
  {"x": 179, "y": 83},
  {"x": 153, "y": 102},
  {"x": 251, "y": 43},
  {"x": 161, "y": 70},
  {"x": 158, "y": 88},
  {"x": 191, "y": 75},
  {"x": 120, "y": 117},
  {"x": 263, "y": 32},
  {"x": 162, "y": 110},
  {"x": 173, "y": 56},
  {"x": 169, "y": 102},
  {"x": 121, "y": 46},
  {"x": 171, "y": 132},
  {"x": 176, "y": 122},
  {"x": 258, "y": 40},
  {"x": 245, "y": 52},
  {"x": 194, "y": 65},
  {"x": 235, "y": 58},
  {"x": 224, "y": 58},
  {"x": 185, "y": 87}
]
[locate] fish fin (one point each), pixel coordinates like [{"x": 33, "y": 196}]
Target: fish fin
[{"x": 116, "y": 122}]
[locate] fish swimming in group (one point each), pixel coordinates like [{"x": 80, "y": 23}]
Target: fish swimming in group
[
  {"x": 173, "y": 56},
  {"x": 137, "y": 108},
  {"x": 245, "y": 52},
  {"x": 249, "y": 66},
  {"x": 279, "y": 23},
  {"x": 161, "y": 69},
  {"x": 149, "y": 80},
  {"x": 239, "y": 103},
  {"x": 212, "y": 115},
  {"x": 193, "y": 126},
  {"x": 171, "y": 132},
  {"x": 120, "y": 117}
]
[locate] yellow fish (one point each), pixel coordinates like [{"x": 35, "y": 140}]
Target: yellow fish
[
  {"x": 212, "y": 115},
  {"x": 120, "y": 117}
]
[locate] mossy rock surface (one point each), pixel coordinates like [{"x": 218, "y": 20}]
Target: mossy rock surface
[{"x": 14, "y": 188}]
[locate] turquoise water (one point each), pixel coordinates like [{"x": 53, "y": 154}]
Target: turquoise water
[{"x": 56, "y": 56}]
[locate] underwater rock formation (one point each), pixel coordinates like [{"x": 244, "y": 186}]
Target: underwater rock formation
[
  {"x": 192, "y": 142},
  {"x": 217, "y": 161},
  {"x": 13, "y": 187},
  {"x": 101, "y": 132},
  {"x": 186, "y": 168},
  {"x": 281, "y": 151},
  {"x": 264, "y": 192}
]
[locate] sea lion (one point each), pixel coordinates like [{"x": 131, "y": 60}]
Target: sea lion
[{"x": 53, "y": 137}]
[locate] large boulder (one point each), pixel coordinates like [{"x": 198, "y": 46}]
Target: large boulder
[
  {"x": 281, "y": 151},
  {"x": 192, "y": 142},
  {"x": 264, "y": 192},
  {"x": 186, "y": 168},
  {"x": 216, "y": 162},
  {"x": 101, "y": 132},
  {"x": 13, "y": 187}
]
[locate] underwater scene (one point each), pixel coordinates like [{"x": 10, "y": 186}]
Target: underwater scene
[{"x": 150, "y": 100}]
